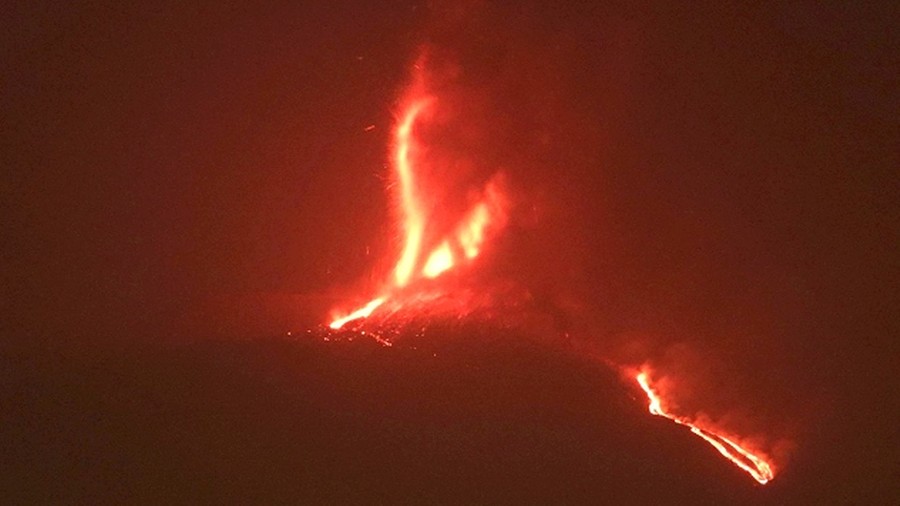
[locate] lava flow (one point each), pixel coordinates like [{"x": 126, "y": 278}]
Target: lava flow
[
  {"x": 426, "y": 254},
  {"x": 754, "y": 465}
]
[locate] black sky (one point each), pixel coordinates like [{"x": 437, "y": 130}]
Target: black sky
[{"x": 716, "y": 191}]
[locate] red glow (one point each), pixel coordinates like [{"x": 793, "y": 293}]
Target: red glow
[
  {"x": 754, "y": 465},
  {"x": 424, "y": 254}
]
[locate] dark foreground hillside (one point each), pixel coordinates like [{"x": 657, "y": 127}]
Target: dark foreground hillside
[{"x": 457, "y": 419}]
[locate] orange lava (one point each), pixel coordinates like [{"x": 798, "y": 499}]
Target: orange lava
[
  {"x": 420, "y": 258},
  {"x": 359, "y": 313},
  {"x": 754, "y": 465}
]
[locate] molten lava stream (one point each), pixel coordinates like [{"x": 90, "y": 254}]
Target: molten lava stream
[{"x": 754, "y": 465}]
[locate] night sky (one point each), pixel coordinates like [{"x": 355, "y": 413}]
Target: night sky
[{"x": 712, "y": 188}]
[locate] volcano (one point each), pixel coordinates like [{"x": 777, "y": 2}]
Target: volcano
[
  {"x": 195, "y": 198},
  {"x": 421, "y": 291}
]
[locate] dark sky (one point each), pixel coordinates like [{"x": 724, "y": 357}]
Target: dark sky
[{"x": 715, "y": 190}]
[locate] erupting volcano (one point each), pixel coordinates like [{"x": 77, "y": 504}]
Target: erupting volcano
[{"x": 439, "y": 244}]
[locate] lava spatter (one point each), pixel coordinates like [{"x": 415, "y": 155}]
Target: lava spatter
[{"x": 422, "y": 254}]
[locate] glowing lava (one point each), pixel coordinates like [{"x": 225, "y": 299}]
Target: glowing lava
[
  {"x": 413, "y": 215},
  {"x": 359, "y": 313},
  {"x": 422, "y": 255},
  {"x": 755, "y": 466}
]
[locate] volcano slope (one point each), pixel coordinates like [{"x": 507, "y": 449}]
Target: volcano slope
[{"x": 460, "y": 414}]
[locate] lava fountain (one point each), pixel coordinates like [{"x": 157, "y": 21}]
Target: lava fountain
[{"x": 425, "y": 254}]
